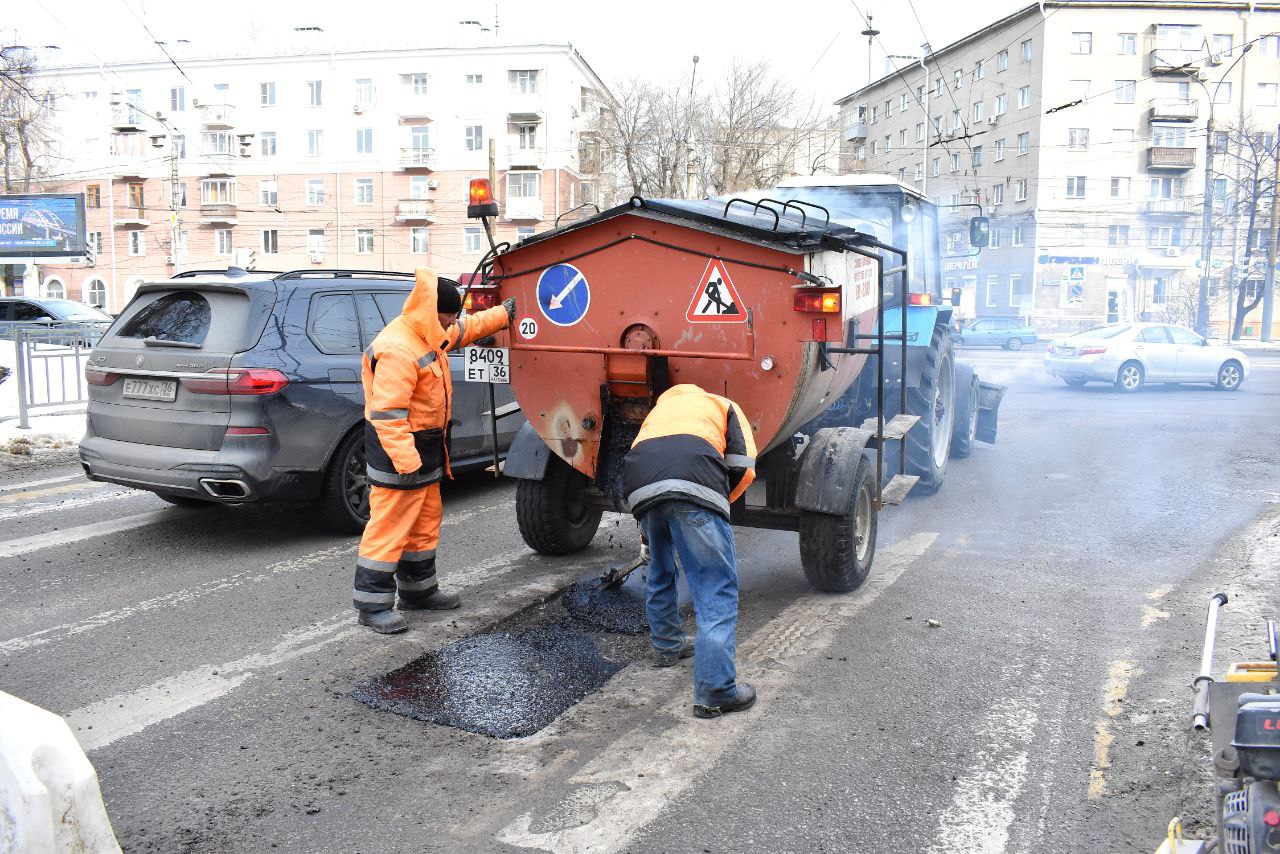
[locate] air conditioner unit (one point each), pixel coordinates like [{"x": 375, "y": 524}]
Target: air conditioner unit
[
  {"x": 1173, "y": 251},
  {"x": 1215, "y": 59},
  {"x": 170, "y": 260},
  {"x": 433, "y": 184},
  {"x": 358, "y": 108},
  {"x": 991, "y": 120},
  {"x": 316, "y": 256},
  {"x": 195, "y": 103}
]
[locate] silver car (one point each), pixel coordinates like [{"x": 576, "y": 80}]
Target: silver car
[{"x": 1131, "y": 354}]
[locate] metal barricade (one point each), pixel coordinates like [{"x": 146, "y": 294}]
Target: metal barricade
[{"x": 49, "y": 366}]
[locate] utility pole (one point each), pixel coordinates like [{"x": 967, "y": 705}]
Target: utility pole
[
  {"x": 690, "y": 176},
  {"x": 1206, "y": 232},
  {"x": 493, "y": 166},
  {"x": 1269, "y": 282},
  {"x": 175, "y": 202},
  {"x": 870, "y": 32}
]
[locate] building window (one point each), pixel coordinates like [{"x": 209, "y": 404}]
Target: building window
[
  {"x": 1125, "y": 91},
  {"x": 364, "y": 92},
  {"x": 1122, "y": 139},
  {"x": 364, "y": 191},
  {"x": 1160, "y": 236},
  {"x": 93, "y": 196},
  {"x": 418, "y": 84},
  {"x": 1078, "y": 139},
  {"x": 420, "y": 186},
  {"x": 873, "y": 148},
  {"x": 315, "y": 192},
  {"x": 137, "y": 243},
  {"x": 315, "y": 241},
  {"x": 315, "y": 143},
  {"x": 1223, "y": 44},
  {"x": 218, "y": 191},
  {"x": 96, "y": 293},
  {"x": 267, "y": 93},
  {"x": 1002, "y": 104},
  {"x": 919, "y": 171},
  {"x": 222, "y": 241},
  {"x": 997, "y": 194},
  {"x": 1002, "y": 60},
  {"x": 999, "y": 149},
  {"x": 902, "y": 138},
  {"x": 474, "y": 80},
  {"x": 993, "y": 239},
  {"x": 94, "y": 242},
  {"x": 979, "y": 111},
  {"x": 1120, "y": 187},
  {"x": 955, "y": 162},
  {"x": 364, "y": 241},
  {"x": 364, "y": 140},
  {"x": 937, "y": 166},
  {"x": 888, "y": 146},
  {"x": 1159, "y": 290},
  {"x": 267, "y": 142},
  {"x": 993, "y": 282},
  {"x": 315, "y": 93},
  {"x": 1269, "y": 46},
  {"x": 1024, "y": 97},
  {"x": 1169, "y": 136},
  {"x": 523, "y": 81},
  {"x": 920, "y": 132},
  {"x": 902, "y": 175},
  {"x": 1075, "y": 186},
  {"x": 1127, "y": 44},
  {"x": 475, "y": 137},
  {"x": 888, "y": 108},
  {"x": 1267, "y": 94},
  {"x": 1017, "y": 236},
  {"x": 937, "y": 87},
  {"x": 180, "y": 145},
  {"x": 975, "y": 156},
  {"x": 1117, "y": 235},
  {"x": 522, "y": 185},
  {"x": 177, "y": 99},
  {"x": 1026, "y": 51},
  {"x": 472, "y": 240},
  {"x": 268, "y": 193},
  {"x": 216, "y": 142},
  {"x": 270, "y": 241},
  {"x": 875, "y": 114},
  {"x": 955, "y": 119},
  {"x": 1024, "y": 142},
  {"x": 419, "y": 240},
  {"x": 1081, "y": 43},
  {"x": 1020, "y": 190},
  {"x": 959, "y": 78},
  {"x": 902, "y": 102},
  {"x": 1165, "y": 188},
  {"x": 136, "y": 197},
  {"x": 980, "y": 70},
  {"x": 1015, "y": 291}
]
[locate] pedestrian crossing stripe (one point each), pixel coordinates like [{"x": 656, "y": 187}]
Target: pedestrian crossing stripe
[{"x": 715, "y": 299}]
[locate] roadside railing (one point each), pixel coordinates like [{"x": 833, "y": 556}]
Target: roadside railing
[{"x": 48, "y": 366}]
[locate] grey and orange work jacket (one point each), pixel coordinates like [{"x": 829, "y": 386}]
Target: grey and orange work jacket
[
  {"x": 693, "y": 446},
  {"x": 408, "y": 391}
]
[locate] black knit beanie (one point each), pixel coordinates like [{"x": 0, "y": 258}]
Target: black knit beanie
[{"x": 448, "y": 300}]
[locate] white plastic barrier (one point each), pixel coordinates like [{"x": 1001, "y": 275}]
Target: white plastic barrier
[{"x": 49, "y": 797}]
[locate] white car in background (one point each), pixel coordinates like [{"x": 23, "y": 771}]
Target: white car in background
[{"x": 1131, "y": 354}]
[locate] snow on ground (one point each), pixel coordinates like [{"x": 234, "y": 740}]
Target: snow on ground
[{"x": 53, "y": 379}]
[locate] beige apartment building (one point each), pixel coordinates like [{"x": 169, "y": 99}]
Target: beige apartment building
[
  {"x": 313, "y": 159},
  {"x": 1081, "y": 127}
]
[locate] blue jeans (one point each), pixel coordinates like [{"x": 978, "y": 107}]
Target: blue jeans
[{"x": 704, "y": 542}]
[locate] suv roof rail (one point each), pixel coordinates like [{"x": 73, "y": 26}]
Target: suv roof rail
[
  {"x": 342, "y": 274},
  {"x": 229, "y": 271}
]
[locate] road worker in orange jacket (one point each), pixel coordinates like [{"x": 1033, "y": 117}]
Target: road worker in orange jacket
[{"x": 408, "y": 394}]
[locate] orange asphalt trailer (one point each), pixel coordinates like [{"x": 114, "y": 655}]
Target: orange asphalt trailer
[{"x": 770, "y": 306}]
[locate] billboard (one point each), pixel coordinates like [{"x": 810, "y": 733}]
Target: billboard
[{"x": 42, "y": 226}]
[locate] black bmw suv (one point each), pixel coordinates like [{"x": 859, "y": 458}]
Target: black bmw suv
[{"x": 234, "y": 387}]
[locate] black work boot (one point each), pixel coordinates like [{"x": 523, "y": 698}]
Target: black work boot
[
  {"x": 383, "y": 622},
  {"x": 436, "y": 600},
  {"x": 671, "y": 659},
  {"x": 744, "y": 697}
]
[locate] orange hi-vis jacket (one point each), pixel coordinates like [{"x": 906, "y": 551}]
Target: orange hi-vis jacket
[
  {"x": 693, "y": 446},
  {"x": 408, "y": 390}
]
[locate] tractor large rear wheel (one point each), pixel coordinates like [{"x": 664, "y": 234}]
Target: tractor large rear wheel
[
  {"x": 933, "y": 399},
  {"x": 554, "y": 515},
  {"x": 836, "y": 551}
]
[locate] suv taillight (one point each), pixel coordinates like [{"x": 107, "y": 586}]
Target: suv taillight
[
  {"x": 99, "y": 376},
  {"x": 479, "y": 299},
  {"x": 237, "y": 381}
]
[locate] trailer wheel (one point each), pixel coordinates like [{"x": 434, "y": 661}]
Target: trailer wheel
[
  {"x": 966, "y": 421},
  {"x": 836, "y": 551},
  {"x": 929, "y": 442},
  {"x": 554, "y": 515}
]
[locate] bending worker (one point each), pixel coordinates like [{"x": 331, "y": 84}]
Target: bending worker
[
  {"x": 407, "y": 393},
  {"x": 694, "y": 457}
]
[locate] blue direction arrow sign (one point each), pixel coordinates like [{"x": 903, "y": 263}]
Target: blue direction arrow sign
[{"x": 564, "y": 295}]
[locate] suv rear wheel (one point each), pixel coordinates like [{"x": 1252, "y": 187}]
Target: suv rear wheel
[{"x": 344, "y": 504}]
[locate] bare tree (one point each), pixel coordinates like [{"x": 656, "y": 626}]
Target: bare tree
[
  {"x": 25, "y": 118},
  {"x": 1249, "y": 170},
  {"x": 642, "y": 139}
]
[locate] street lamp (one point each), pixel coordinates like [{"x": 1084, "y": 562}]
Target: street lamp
[
  {"x": 690, "y": 176},
  {"x": 1206, "y": 225}
]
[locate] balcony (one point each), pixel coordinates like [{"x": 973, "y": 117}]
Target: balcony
[
  {"x": 522, "y": 208},
  {"x": 127, "y": 217},
  {"x": 218, "y": 214},
  {"x": 856, "y": 130},
  {"x": 416, "y": 210},
  {"x": 1171, "y": 207},
  {"x": 1174, "y": 159},
  {"x": 125, "y": 119},
  {"x": 415, "y": 107},
  {"x": 1166, "y": 60},
  {"x": 1173, "y": 110},
  {"x": 524, "y": 106},
  {"x": 519, "y": 157},
  {"x": 418, "y": 158},
  {"x": 217, "y": 116}
]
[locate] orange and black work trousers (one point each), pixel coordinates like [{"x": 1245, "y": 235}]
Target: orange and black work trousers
[{"x": 398, "y": 549}]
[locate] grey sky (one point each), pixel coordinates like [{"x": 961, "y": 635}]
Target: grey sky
[{"x": 816, "y": 43}]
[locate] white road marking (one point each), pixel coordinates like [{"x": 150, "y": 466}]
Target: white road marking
[
  {"x": 105, "y": 721},
  {"x": 981, "y": 810},
  {"x": 623, "y": 801},
  {"x": 25, "y": 510},
  {"x": 13, "y": 487},
  {"x": 52, "y": 539},
  {"x": 62, "y": 632}
]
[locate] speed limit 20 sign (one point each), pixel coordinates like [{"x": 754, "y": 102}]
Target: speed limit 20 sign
[{"x": 486, "y": 364}]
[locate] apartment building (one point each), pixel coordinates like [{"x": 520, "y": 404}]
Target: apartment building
[
  {"x": 314, "y": 159},
  {"x": 1080, "y": 127}
]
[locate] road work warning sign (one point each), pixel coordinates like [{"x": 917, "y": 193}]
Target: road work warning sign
[{"x": 716, "y": 300}]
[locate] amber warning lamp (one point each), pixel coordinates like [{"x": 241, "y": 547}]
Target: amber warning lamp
[{"x": 481, "y": 201}]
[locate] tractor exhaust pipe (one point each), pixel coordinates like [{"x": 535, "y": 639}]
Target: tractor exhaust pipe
[{"x": 1200, "y": 715}]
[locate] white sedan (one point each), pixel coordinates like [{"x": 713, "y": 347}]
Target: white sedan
[{"x": 1130, "y": 354}]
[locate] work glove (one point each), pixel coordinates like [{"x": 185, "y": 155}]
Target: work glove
[{"x": 510, "y": 305}]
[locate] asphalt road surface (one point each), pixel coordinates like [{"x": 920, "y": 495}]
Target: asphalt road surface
[{"x": 205, "y": 658}]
